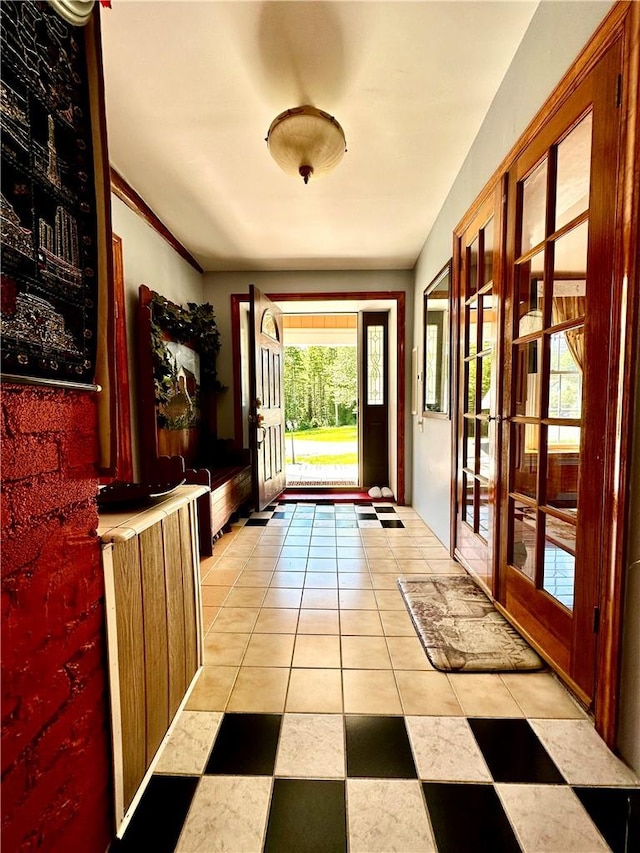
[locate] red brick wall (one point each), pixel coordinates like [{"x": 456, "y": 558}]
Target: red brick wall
[{"x": 55, "y": 745}]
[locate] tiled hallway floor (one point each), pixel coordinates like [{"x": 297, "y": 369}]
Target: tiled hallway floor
[{"x": 318, "y": 723}]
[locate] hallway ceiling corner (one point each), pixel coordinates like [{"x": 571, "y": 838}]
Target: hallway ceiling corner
[{"x": 191, "y": 88}]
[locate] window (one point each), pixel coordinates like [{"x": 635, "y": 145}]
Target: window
[
  {"x": 565, "y": 389},
  {"x": 436, "y": 343},
  {"x": 269, "y": 326},
  {"x": 375, "y": 365}
]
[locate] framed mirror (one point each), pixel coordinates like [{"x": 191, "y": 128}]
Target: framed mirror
[{"x": 436, "y": 346}]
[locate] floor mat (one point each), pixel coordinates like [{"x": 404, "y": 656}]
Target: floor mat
[{"x": 460, "y": 628}]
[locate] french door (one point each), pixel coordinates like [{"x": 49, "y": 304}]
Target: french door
[
  {"x": 558, "y": 330},
  {"x": 533, "y": 296},
  {"x": 478, "y": 306}
]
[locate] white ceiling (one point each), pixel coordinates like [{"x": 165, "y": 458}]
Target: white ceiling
[{"x": 192, "y": 87}]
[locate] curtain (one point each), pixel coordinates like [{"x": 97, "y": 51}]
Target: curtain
[{"x": 565, "y": 308}]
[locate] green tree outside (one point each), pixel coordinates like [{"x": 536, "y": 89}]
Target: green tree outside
[{"x": 320, "y": 386}]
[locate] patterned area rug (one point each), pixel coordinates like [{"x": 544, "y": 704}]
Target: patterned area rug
[{"x": 460, "y": 628}]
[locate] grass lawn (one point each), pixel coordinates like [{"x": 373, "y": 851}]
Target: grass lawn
[
  {"x": 338, "y": 459},
  {"x": 343, "y": 433}
]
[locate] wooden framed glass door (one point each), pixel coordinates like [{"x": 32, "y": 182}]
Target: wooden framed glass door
[
  {"x": 478, "y": 307},
  {"x": 557, "y": 337}
]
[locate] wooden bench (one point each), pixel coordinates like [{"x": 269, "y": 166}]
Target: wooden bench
[{"x": 229, "y": 494}]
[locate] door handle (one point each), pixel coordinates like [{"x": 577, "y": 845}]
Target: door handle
[
  {"x": 260, "y": 438},
  {"x": 496, "y": 418}
]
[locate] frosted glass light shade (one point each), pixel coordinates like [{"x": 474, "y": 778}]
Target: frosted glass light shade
[{"x": 306, "y": 141}]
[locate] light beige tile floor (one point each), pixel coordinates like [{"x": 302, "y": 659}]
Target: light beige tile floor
[{"x": 311, "y": 619}]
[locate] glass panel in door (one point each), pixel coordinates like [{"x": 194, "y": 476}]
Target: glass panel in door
[
  {"x": 546, "y": 405},
  {"x": 476, "y": 517}
]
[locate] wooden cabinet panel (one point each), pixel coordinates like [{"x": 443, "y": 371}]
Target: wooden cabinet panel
[
  {"x": 175, "y": 611},
  {"x": 191, "y": 614},
  {"x": 128, "y": 595},
  {"x": 153, "y": 631},
  {"x": 155, "y": 637}
]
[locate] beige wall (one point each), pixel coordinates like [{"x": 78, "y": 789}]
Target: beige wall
[{"x": 148, "y": 259}]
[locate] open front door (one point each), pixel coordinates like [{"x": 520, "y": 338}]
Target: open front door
[{"x": 266, "y": 403}]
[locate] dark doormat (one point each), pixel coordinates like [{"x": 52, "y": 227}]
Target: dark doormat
[{"x": 460, "y": 628}]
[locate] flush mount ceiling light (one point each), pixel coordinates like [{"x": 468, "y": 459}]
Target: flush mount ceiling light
[{"x": 306, "y": 141}]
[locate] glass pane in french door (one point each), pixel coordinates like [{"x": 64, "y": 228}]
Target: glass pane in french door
[
  {"x": 467, "y": 499},
  {"x": 525, "y": 443},
  {"x": 469, "y": 443},
  {"x": 523, "y": 535},
  {"x": 559, "y": 559},
  {"x": 548, "y": 356},
  {"x": 530, "y": 295},
  {"x": 534, "y": 204},
  {"x": 573, "y": 172}
]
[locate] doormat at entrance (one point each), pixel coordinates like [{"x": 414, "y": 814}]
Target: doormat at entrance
[
  {"x": 304, "y": 483},
  {"x": 460, "y": 628}
]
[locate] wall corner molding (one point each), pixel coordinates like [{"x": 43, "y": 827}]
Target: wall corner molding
[{"x": 123, "y": 190}]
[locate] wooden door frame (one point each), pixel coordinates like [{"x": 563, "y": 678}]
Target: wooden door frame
[
  {"x": 622, "y": 22},
  {"x": 397, "y": 296},
  {"x": 123, "y": 457}
]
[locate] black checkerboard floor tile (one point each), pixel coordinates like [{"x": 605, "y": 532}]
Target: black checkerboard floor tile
[
  {"x": 468, "y": 819},
  {"x": 245, "y": 745},
  {"x": 513, "y": 752},
  {"x": 616, "y": 813},
  {"x": 307, "y": 816},
  {"x": 159, "y": 818},
  {"x": 378, "y": 747}
]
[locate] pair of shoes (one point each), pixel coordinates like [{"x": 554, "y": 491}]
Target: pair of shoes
[{"x": 377, "y": 492}]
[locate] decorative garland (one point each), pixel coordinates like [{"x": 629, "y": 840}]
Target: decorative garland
[{"x": 195, "y": 326}]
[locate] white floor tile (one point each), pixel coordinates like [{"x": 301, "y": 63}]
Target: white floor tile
[
  {"x": 228, "y": 815},
  {"x": 581, "y": 755},
  {"x": 550, "y": 819},
  {"x": 445, "y": 750},
  {"x": 311, "y": 746},
  {"x": 387, "y": 816},
  {"x": 188, "y": 747}
]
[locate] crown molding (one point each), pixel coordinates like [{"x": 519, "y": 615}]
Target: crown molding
[{"x": 126, "y": 193}]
